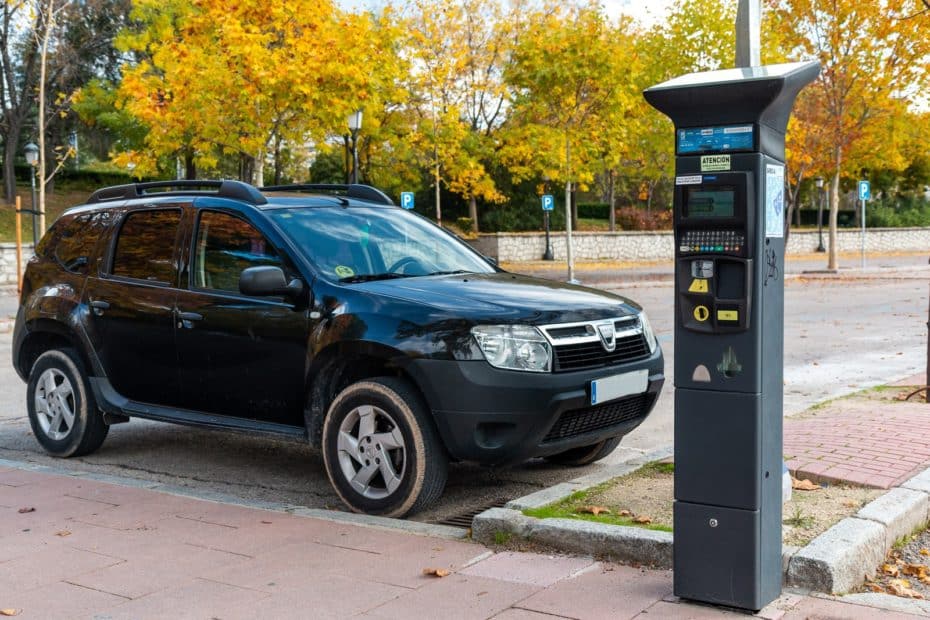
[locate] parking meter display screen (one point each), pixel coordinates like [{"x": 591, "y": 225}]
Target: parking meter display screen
[{"x": 718, "y": 201}]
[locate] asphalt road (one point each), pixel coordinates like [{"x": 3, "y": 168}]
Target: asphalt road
[{"x": 842, "y": 334}]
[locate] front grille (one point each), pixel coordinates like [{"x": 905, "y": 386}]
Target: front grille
[
  {"x": 593, "y": 355},
  {"x": 581, "y": 421}
]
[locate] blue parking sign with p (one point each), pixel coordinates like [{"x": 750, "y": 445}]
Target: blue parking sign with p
[
  {"x": 548, "y": 202},
  {"x": 406, "y": 200},
  {"x": 865, "y": 190}
]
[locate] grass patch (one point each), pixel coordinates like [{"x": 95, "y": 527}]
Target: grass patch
[
  {"x": 799, "y": 519},
  {"x": 502, "y": 538},
  {"x": 560, "y": 511}
]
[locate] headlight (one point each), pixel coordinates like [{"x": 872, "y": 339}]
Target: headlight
[
  {"x": 648, "y": 334},
  {"x": 514, "y": 347}
]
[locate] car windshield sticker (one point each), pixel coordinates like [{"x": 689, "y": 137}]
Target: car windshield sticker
[{"x": 344, "y": 272}]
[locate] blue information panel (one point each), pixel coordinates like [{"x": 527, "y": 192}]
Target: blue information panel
[{"x": 715, "y": 139}]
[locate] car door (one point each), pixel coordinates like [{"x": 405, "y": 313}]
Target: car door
[
  {"x": 240, "y": 356},
  {"x": 132, "y": 301}
]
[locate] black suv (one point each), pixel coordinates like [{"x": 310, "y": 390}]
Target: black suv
[{"x": 322, "y": 314}]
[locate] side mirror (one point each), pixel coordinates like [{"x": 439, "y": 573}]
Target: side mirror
[{"x": 268, "y": 281}]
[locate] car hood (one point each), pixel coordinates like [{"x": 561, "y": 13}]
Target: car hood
[{"x": 506, "y": 296}]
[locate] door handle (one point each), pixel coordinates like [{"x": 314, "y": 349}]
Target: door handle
[
  {"x": 186, "y": 319},
  {"x": 99, "y": 306}
]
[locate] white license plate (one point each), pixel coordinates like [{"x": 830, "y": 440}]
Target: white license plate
[{"x": 618, "y": 386}]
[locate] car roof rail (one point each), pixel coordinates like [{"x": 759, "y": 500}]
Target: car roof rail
[
  {"x": 352, "y": 190},
  {"x": 236, "y": 190}
]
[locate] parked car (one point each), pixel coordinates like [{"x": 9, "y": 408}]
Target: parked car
[{"x": 321, "y": 314}]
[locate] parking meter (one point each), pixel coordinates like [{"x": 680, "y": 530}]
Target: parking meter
[{"x": 729, "y": 319}]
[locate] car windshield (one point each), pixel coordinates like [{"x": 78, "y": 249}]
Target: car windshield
[{"x": 357, "y": 244}]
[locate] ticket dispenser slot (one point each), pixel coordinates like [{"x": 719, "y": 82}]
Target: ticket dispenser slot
[{"x": 714, "y": 243}]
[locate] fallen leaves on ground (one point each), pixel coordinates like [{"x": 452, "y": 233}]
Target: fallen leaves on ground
[
  {"x": 625, "y": 513},
  {"x": 436, "y": 572},
  {"x": 26, "y": 509},
  {"x": 915, "y": 570},
  {"x": 642, "y": 519},
  {"x": 63, "y": 533},
  {"x": 891, "y": 569},
  {"x": 803, "y": 485},
  {"x": 10, "y": 612},
  {"x": 924, "y": 552},
  {"x": 594, "y": 510},
  {"x": 902, "y": 587}
]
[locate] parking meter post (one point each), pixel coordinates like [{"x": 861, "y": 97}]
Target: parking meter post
[{"x": 729, "y": 232}]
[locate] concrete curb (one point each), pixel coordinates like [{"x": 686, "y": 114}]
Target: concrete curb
[{"x": 835, "y": 562}]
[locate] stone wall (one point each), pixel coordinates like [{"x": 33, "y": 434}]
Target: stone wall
[
  {"x": 646, "y": 246},
  {"x": 8, "y": 263}
]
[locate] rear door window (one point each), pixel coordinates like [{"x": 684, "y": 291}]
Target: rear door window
[{"x": 145, "y": 248}]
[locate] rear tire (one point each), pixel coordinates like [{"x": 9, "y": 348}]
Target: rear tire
[
  {"x": 62, "y": 410},
  {"x": 585, "y": 455},
  {"x": 382, "y": 453}
]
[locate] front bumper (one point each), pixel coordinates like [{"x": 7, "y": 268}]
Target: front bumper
[{"x": 500, "y": 417}]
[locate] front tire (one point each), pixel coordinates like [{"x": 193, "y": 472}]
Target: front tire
[
  {"x": 62, "y": 410},
  {"x": 381, "y": 450},
  {"x": 585, "y": 455}
]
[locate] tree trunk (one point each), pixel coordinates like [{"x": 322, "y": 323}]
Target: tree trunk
[
  {"x": 277, "y": 162},
  {"x": 832, "y": 263},
  {"x": 190, "y": 168},
  {"x": 43, "y": 155},
  {"x": 574, "y": 207},
  {"x": 610, "y": 200},
  {"x": 9, "y": 164},
  {"x": 473, "y": 213},
  {"x": 258, "y": 170}
]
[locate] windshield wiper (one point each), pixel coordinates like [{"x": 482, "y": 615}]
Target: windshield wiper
[
  {"x": 449, "y": 273},
  {"x": 370, "y": 277}
]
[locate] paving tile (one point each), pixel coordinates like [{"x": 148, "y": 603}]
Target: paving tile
[
  {"x": 826, "y": 609},
  {"x": 329, "y": 596},
  {"x": 666, "y": 610},
  {"x": 199, "y": 599},
  {"x": 139, "y": 577},
  {"x": 62, "y": 600},
  {"x": 528, "y": 569},
  {"x": 49, "y": 566},
  {"x": 631, "y": 591},
  {"x": 457, "y": 597},
  {"x": 524, "y": 614}
]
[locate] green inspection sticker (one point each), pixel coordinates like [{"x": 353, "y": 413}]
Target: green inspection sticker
[{"x": 344, "y": 272}]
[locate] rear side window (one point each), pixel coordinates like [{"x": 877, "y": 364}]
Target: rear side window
[
  {"x": 145, "y": 246},
  {"x": 76, "y": 241}
]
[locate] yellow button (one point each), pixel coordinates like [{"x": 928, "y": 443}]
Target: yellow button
[
  {"x": 698, "y": 285},
  {"x": 701, "y": 313},
  {"x": 727, "y": 315}
]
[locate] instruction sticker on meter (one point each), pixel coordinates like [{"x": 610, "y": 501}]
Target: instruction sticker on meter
[{"x": 774, "y": 200}]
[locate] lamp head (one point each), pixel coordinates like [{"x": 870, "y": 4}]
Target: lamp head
[
  {"x": 32, "y": 154},
  {"x": 355, "y": 120},
  {"x": 819, "y": 182}
]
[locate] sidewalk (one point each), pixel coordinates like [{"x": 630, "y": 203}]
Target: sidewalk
[
  {"x": 862, "y": 440},
  {"x": 96, "y": 550},
  {"x": 600, "y": 273}
]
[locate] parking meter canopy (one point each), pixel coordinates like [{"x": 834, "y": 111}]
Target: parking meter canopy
[{"x": 760, "y": 96}]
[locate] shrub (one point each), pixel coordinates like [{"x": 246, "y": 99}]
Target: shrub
[
  {"x": 635, "y": 218},
  {"x": 594, "y": 210}
]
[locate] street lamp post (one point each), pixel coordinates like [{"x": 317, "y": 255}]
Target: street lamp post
[
  {"x": 355, "y": 123},
  {"x": 32, "y": 158},
  {"x": 819, "y": 183}
]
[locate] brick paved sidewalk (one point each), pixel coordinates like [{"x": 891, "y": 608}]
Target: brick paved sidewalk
[
  {"x": 861, "y": 440},
  {"x": 97, "y": 550}
]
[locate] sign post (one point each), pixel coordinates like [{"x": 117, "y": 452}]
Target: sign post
[
  {"x": 548, "y": 204},
  {"x": 19, "y": 245},
  {"x": 865, "y": 194}
]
